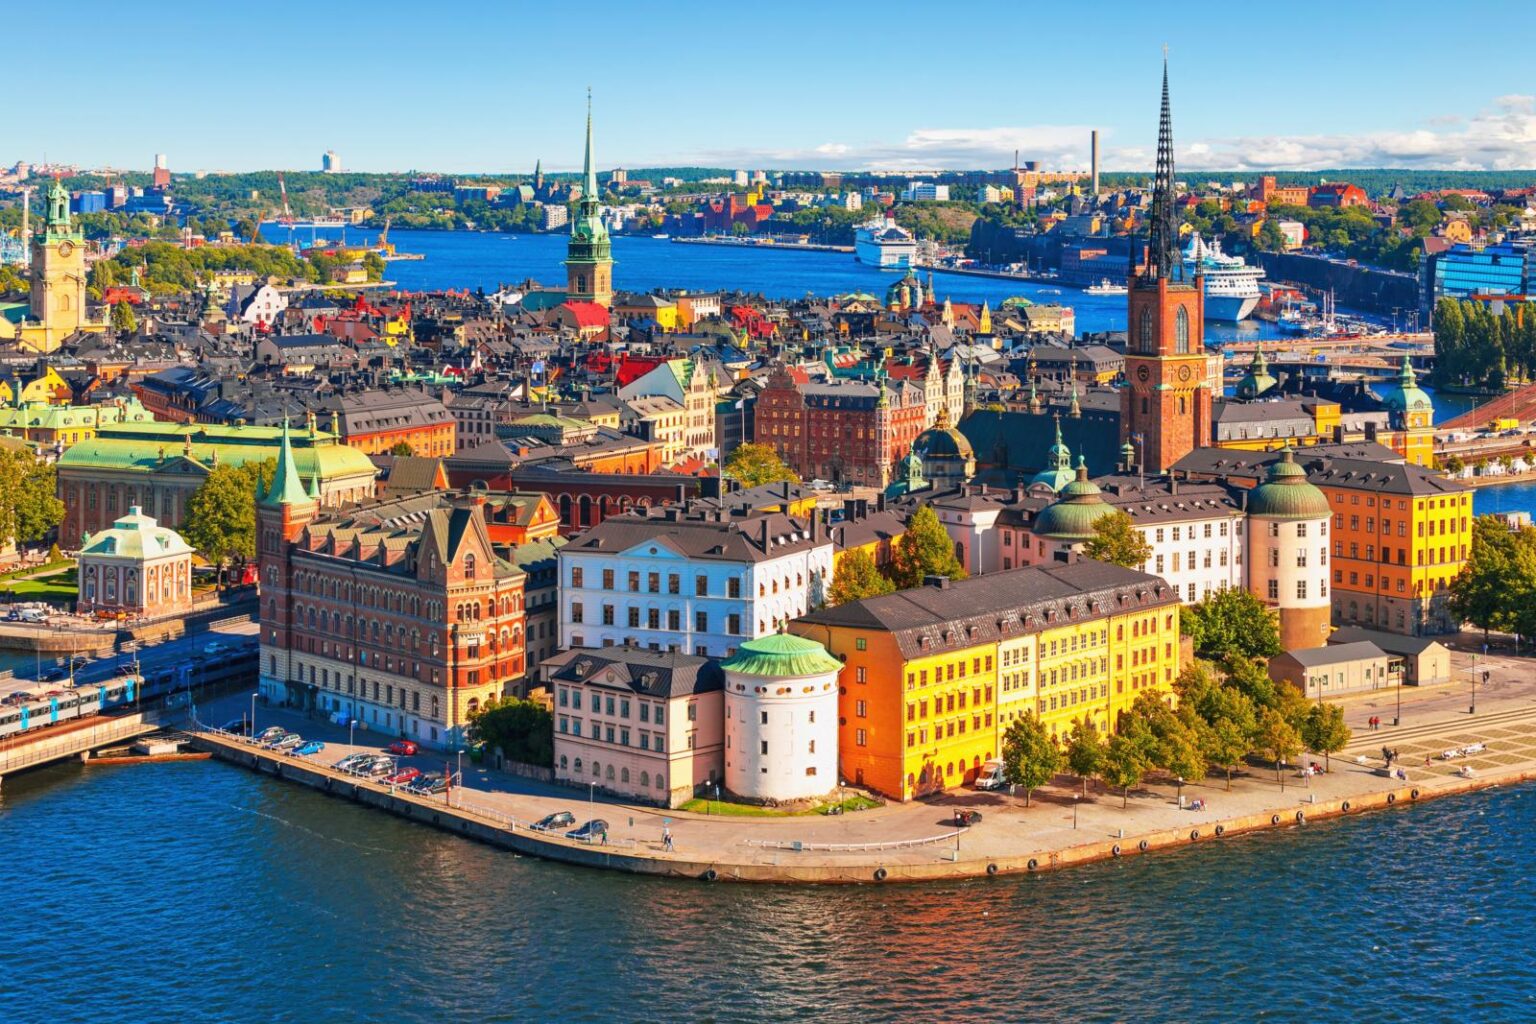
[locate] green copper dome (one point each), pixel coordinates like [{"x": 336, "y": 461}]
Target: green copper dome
[
  {"x": 781, "y": 656},
  {"x": 1258, "y": 379},
  {"x": 1287, "y": 494},
  {"x": 1073, "y": 516},
  {"x": 1057, "y": 473},
  {"x": 1407, "y": 396}
]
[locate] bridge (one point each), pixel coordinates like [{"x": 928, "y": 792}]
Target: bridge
[
  {"x": 1519, "y": 404},
  {"x": 77, "y": 739}
]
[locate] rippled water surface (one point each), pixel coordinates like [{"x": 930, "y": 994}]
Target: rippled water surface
[{"x": 200, "y": 892}]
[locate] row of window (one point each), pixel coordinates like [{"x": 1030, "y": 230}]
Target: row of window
[
  {"x": 617, "y": 706},
  {"x": 597, "y": 773},
  {"x": 618, "y": 734},
  {"x": 653, "y": 582}
]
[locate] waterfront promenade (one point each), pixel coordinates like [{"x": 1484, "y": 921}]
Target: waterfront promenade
[{"x": 919, "y": 841}]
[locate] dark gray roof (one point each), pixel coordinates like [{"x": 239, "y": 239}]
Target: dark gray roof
[
  {"x": 927, "y": 620},
  {"x": 1334, "y": 654},
  {"x": 701, "y": 533},
  {"x": 1014, "y": 444},
  {"x": 1392, "y": 643},
  {"x": 663, "y": 674}
]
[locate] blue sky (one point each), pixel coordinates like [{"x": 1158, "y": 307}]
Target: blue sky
[{"x": 476, "y": 86}]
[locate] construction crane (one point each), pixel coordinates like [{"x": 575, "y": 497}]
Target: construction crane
[
  {"x": 382, "y": 246},
  {"x": 282, "y": 188}
]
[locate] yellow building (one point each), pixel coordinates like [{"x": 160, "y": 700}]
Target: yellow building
[
  {"x": 647, "y": 307},
  {"x": 932, "y": 676},
  {"x": 56, "y": 307},
  {"x": 47, "y": 389}
]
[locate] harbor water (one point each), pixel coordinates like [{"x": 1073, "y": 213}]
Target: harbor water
[{"x": 201, "y": 892}]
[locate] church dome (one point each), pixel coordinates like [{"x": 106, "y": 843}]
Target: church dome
[
  {"x": 1287, "y": 494},
  {"x": 943, "y": 440},
  {"x": 781, "y": 656},
  {"x": 1074, "y": 514},
  {"x": 1258, "y": 379},
  {"x": 1057, "y": 473}
]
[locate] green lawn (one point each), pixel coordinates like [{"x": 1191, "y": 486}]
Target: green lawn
[
  {"x": 60, "y": 586},
  {"x": 725, "y": 808},
  {"x": 63, "y": 563}
]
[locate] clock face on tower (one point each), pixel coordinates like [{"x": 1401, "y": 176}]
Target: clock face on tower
[
  {"x": 1184, "y": 373},
  {"x": 66, "y": 247},
  {"x": 1142, "y": 372}
]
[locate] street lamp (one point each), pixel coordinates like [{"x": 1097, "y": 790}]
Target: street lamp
[
  {"x": 461, "y": 776},
  {"x": 591, "y": 800},
  {"x": 1397, "y": 718},
  {"x": 1075, "y": 798},
  {"x": 1181, "y": 791},
  {"x": 351, "y": 729},
  {"x": 252, "y": 733}
]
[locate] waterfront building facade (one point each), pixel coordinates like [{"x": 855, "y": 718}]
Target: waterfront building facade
[
  {"x": 398, "y": 614},
  {"x": 690, "y": 578},
  {"x": 922, "y": 686},
  {"x": 640, "y": 724}
]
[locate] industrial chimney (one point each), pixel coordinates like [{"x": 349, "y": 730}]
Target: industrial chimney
[{"x": 1093, "y": 158}]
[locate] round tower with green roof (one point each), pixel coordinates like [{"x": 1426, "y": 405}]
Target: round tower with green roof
[{"x": 781, "y": 719}]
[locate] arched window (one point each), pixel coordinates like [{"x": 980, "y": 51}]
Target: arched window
[
  {"x": 645, "y": 780},
  {"x": 564, "y": 764},
  {"x": 1181, "y": 332},
  {"x": 1144, "y": 335},
  {"x": 624, "y": 775},
  {"x": 469, "y": 565}
]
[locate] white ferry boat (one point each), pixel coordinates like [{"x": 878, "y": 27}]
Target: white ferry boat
[
  {"x": 882, "y": 243},
  {"x": 1231, "y": 285},
  {"x": 1106, "y": 287}
]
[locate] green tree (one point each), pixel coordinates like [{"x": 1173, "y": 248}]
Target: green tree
[
  {"x": 123, "y": 320},
  {"x": 523, "y": 730},
  {"x": 1117, "y": 541},
  {"x": 924, "y": 550},
  {"x": 221, "y": 514},
  {"x": 1085, "y": 751},
  {"x": 1030, "y": 756},
  {"x": 856, "y": 578},
  {"x": 753, "y": 465},
  {"x": 402, "y": 448},
  {"x": 1231, "y": 624},
  {"x": 1124, "y": 765},
  {"x": 28, "y": 506},
  {"x": 1499, "y": 577},
  {"x": 1324, "y": 731},
  {"x": 1277, "y": 738}
]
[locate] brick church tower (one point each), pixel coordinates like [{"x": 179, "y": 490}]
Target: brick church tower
[
  {"x": 281, "y": 515},
  {"x": 1165, "y": 408}
]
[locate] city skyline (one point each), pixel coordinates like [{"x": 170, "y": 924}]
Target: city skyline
[{"x": 319, "y": 87}]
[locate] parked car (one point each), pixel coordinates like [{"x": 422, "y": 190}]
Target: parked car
[
  {"x": 966, "y": 818},
  {"x": 238, "y": 726},
  {"x": 54, "y": 674},
  {"x": 991, "y": 776},
  {"x": 551, "y": 822},
  {"x": 292, "y": 741},
  {"x": 214, "y": 648},
  {"x": 270, "y": 733},
  {"x": 309, "y": 749},
  {"x": 593, "y": 831},
  {"x": 404, "y": 747},
  {"x": 403, "y": 776},
  {"x": 378, "y": 766},
  {"x": 428, "y": 784},
  {"x": 351, "y": 761}
]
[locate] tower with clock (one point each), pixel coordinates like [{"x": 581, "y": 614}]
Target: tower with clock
[
  {"x": 1165, "y": 407},
  {"x": 58, "y": 276}
]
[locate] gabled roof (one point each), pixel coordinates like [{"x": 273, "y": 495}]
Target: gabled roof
[{"x": 663, "y": 674}]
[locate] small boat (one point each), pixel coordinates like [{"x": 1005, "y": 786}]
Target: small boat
[{"x": 661, "y": 238}]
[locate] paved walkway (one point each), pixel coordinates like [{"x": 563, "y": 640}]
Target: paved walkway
[{"x": 1060, "y": 818}]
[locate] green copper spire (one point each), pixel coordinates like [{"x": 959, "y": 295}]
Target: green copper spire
[
  {"x": 287, "y": 488},
  {"x": 57, "y": 226},
  {"x": 589, "y": 254},
  {"x": 589, "y": 173}
]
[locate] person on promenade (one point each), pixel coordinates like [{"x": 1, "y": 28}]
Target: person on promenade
[{"x": 666, "y": 839}]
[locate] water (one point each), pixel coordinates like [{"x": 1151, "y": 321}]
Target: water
[
  {"x": 199, "y": 891},
  {"x": 465, "y": 259}
]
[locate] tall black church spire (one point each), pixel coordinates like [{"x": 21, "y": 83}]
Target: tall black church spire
[{"x": 1163, "y": 236}]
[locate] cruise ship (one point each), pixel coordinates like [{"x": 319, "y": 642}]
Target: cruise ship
[
  {"x": 881, "y": 243},
  {"x": 1231, "y": 285}
]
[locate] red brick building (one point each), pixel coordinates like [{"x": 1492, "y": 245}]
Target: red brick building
[
  {"x": 399, "y": 614},
  {"x": 843, "y": 431},
  {"x": 1340, "y": 195}
]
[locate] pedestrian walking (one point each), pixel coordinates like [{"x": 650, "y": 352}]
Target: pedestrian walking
[{"x": 666, "y": 839}]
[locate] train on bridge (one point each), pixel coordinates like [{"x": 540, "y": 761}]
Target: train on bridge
[{"x": 29, "y": 712}]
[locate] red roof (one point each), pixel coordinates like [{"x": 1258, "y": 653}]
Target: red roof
[{"x": 587, "y": 314}]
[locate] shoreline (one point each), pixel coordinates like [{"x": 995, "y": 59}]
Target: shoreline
[{"x": 790, "y": 867}]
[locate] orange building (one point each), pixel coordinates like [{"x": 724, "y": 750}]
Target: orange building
[{"x": 375, "y": 422}]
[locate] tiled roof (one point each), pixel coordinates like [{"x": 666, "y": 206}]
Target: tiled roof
[{"x": 663, "y": 674}]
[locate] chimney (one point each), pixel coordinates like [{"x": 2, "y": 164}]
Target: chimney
[
  {"x": 938, "y": 582},
  {"x": 1093, "y": 159}
]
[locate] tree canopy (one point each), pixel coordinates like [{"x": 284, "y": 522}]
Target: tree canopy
[
  {"x": 221, "y": 514},
  {"x": 28, "y": 506},
  {"x": 857, "y": 577},
  {"x": 753, "y": 465},
  {"x": 1232, "y": 623},
  {"x": 1117, "y": 541},
  {"x": 523, "y": 729},
  {"x": 1496, "y": 589},
  {"x": 924, "y": 550},
  {"x": 1030, "y": 756}
]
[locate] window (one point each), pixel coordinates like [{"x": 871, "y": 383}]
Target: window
[
  {"x": 607, "y": 579},
  {"x": 701, "y": 621},
  {"x": 674, "y": 583},
  {"x": 861, "y": 738},
  {"x": 575, "y": 575},
  {"x": 576, "y": 611},
  {"x": 1274, "y": 590},
  {"x": 634, "y": 618},
  {"x": 733, "y": 588},
  {"x": 860, "y": 674},
  {"x": 860, "y": 644},
  {"x": 700, "y": 586},
  {"x": 860, "y": 709},
  {"x": 1301, "y": 589},
  {"x": 1181, "y": 332},
  {"x": 634, "y": 581}
]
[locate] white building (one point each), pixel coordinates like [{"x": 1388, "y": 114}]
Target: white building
[
  {"x": 255, "y": 303},
  {"x": 925, "y": 191},
  {"x": 1288, "y": 518},
  {"x": 689, "y": 578},
  {"x": 781, "y": 701}
]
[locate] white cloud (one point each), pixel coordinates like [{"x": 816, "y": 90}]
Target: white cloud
[{"x": 1502, "y": 137}]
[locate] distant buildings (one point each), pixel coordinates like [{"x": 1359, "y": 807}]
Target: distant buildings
[
  {"x": 1501, "y": 270},
  {"x": 330, "y": 163}
]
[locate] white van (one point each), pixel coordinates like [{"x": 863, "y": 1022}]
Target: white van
[{"x": 991, "y": 776}]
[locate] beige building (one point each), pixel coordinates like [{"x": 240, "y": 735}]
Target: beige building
[
  {"x": 641, "y": 724},
  {"x": 1337, "y": 669},
  {"x": 136, "y": 568}
]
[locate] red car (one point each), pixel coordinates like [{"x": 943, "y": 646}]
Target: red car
[
  {"x": 402, "y": 747},
  {"x": 403, "y": 776}
]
